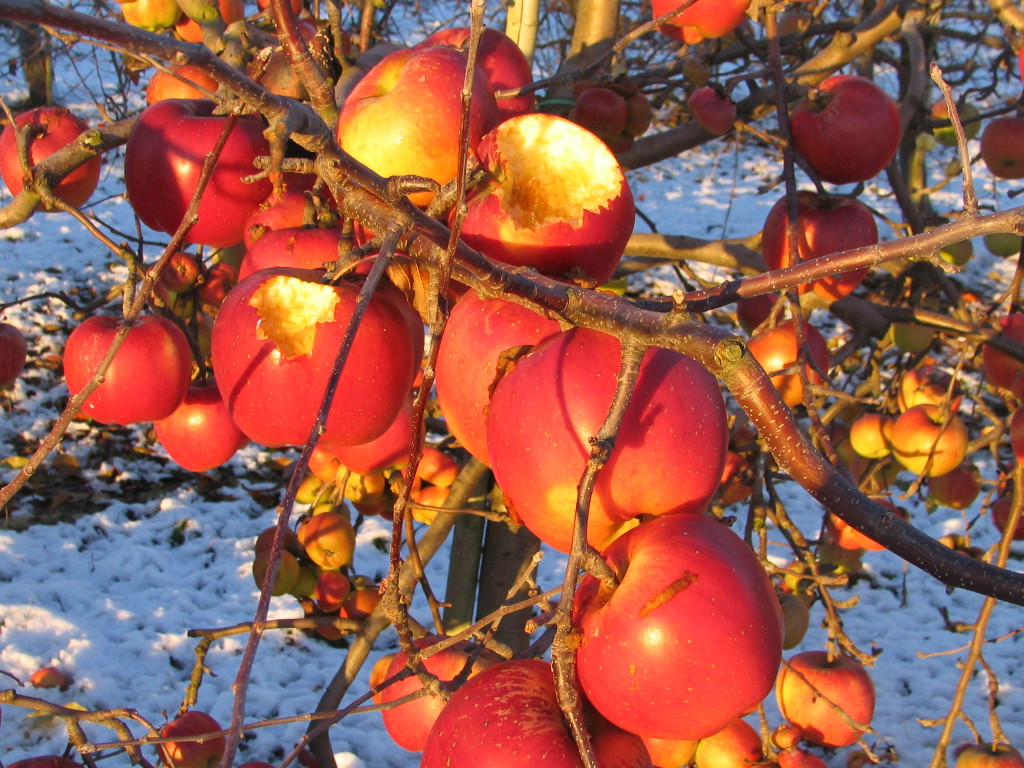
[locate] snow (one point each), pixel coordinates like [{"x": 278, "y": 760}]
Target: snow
[{"x": 107, "y": 589}]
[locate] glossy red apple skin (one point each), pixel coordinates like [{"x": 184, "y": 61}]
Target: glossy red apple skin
[
  {"x": 853, "y": 135},
  {"x": 57, "y": 128},
  {"x": 282, "y": 210},
  {"x": 403, "y": 117},
  {"x": 586, "y": 241},
  {"x": 478, "y": 332},
  {"x": 148, "y": 377},
  {"x": 274, "y": 397},
  {"x": 390, "y": 450},
  {"x": 843, "y": 681},
  {"x": 409, "y": 724},
  {"x": 1002, "y": 146},
  {"x": 164, "y": 157},
  {"x": 824, "y": 226},
  {"x": 301, "y": 248},
  {"x": 13, "y": 354},
  {"x": 508, "y": 717},
  {"x": 192, "y": 754},
  {"x": 712, "y": 110},
  {"x": 543, "y": 413},
  {"x": 690, "y": 639},
  {"x": 500, "y": 61},
  {"x": 737, "y": 744},
  {"x": 200, "y": 434},
  {"x": 776, "y": 350},
  {"x": 704, "y": 19},
  {"x": 600, "y": 110}
]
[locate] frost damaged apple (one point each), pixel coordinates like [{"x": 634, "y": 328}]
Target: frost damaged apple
[
  {"x": 275, "y": 340},
  {"x": 557, "y": 199}
]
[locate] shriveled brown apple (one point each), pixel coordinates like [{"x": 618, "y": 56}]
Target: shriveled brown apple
[{"x": 557, "y": 199}]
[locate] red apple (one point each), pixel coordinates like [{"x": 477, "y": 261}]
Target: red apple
[
  {"x": 544, "y": 412},
  {"x": 825, "y": 225},
  {"x": 403, "y": 117},
  {"x": 301, "y": 248},
  {"x": 180, "y": 81},
  {"x": 713, "y": 110},
  {"x": 13, "y": 353},
  {"x": 703, "y": 19},
  {"x": 500, "y": 61},
  {"x": 478, "y": 332},
  {"x": 1001, "y": 369},
  {"x": 331, "y": 591},
  {"x": 690, "y": 639},
  {"x": 45, "y": 761},
  {"x": 808, "y": 688},
  {"x": 848, "y": 537},
  {"x": 275, "y": 340},
  {"x": 601, "y": 111},
  {"x": 192, "y": 754},
  {"x": 1001, "y": 146},
  {"x": 363, "y": 600},
  {"x": 927, "y": 385},
  {"x": 163, "y": 160},
  {"x": 988, "y": 756},
  {"x": 200, "y": 434},
  {"x": 286, "y": 209},
  {"x": 776, "y": 350},
  {"x": 148, "y": 377},
  {"x": 1001, "y": 509},
  {"x": 508, "y": 717},
  {"x": 958, "y": 488},
  {"x": 736, "y": 745},
  {"x": 389, "y": 451},
  {"x": 847, "y": 129},
  {"x": 54, "y": 128},
  {"x": 50, "y": 677},
  {"x": 576, "y": 222},
  {"x": 215, "y": 284},
  {"x": 920, "y": 435},
  {"x": 408, "y": 724}
]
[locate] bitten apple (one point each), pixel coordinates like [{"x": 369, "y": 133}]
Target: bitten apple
[{"x": 577, "y": 221}]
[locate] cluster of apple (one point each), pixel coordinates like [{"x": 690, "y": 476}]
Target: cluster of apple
[{"x": 617, "y": 111}]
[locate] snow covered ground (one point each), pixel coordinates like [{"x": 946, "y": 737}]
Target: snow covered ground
[{"x": 135, "y": 551}]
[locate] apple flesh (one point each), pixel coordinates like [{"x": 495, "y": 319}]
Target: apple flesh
[
  {"x": 556, "y": 200},
  {"x": 403, "y": 117},
  {"x": 544, "y": 412},
  {"x": 810, "y": 685},
  {"x": 690, "y": 639}
]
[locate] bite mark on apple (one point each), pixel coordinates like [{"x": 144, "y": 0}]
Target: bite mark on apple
[{"x": 289, "y": 310}]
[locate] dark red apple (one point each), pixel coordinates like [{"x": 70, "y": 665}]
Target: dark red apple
[
  {"x": 714, "y": 111},
  {"x": 1002, "y": 146},
  {"x": 13, "y": 354},
  {"x": 847, "y": 129},
  {"x": 825, "y": 225}
]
